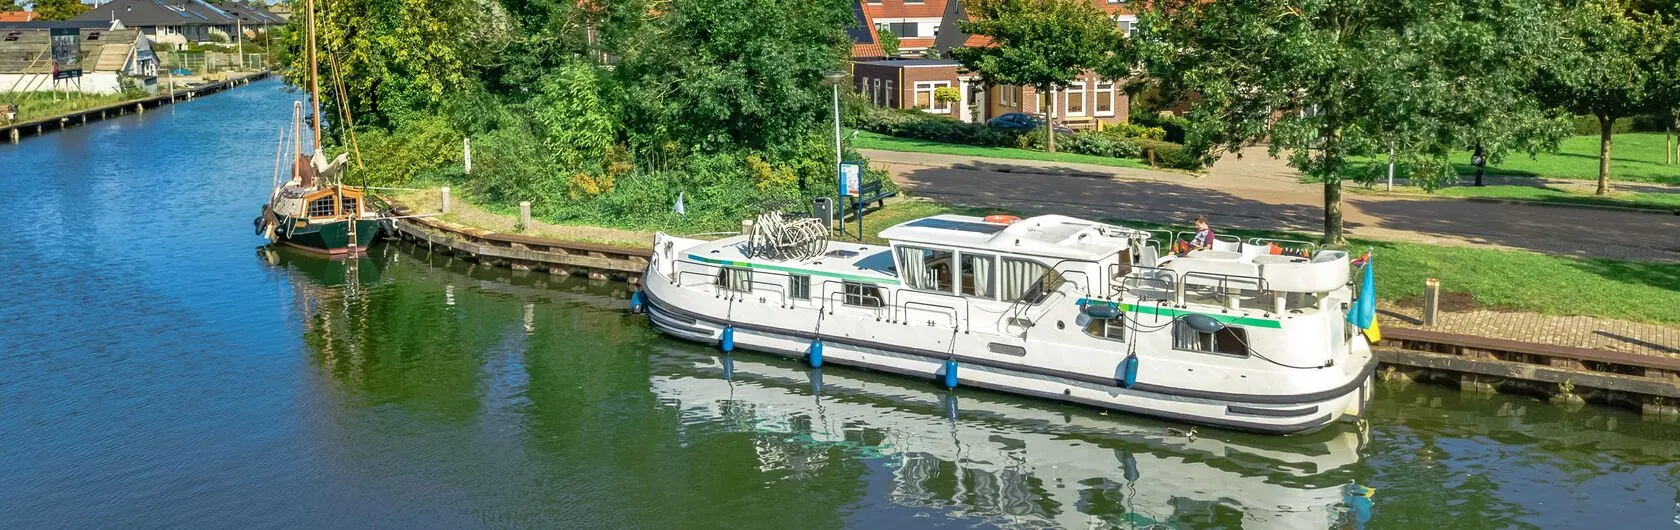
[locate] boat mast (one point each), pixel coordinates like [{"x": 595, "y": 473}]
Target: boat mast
[{"x": 314, "y": 80}]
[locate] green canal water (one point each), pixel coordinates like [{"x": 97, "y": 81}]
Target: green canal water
[{"x": 158, "y": 369}]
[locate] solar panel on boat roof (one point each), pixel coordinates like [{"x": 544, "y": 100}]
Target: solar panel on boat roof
[{"x": 962, "y": 226}]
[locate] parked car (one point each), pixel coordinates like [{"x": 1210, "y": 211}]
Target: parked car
[{"x": 1023, "y": 122}]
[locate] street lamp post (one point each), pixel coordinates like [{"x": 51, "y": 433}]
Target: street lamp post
[{"x": 834, "y": 79}]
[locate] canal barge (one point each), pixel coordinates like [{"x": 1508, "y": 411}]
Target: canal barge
[{"x": 1052, "y": 306}]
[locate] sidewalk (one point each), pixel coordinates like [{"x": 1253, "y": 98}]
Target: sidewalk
[{"x": 1259, "y": 192}]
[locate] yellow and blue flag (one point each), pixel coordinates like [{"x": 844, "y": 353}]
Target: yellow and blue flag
[{"x": 1363, "y": 314}]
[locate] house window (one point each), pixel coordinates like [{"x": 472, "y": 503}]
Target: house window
[
  {"x": 1028, "y": 281},
  {"x": 925, "y": 100},
  {"x": 734, "y": 279},
  {"x": 875, "y": 95},
  {"x": 1229, "y": 340},
  {"x": 1009, "y": 96},
  {"x": 1106, "y": 328},
  {"x": 925, "y": 268},
  {"x": 799, "y": 287},
  {"x": 322, "y": 207},
  {"x": 1103, "y": 98},
  {"x": 93, "y": 35},
  {"x": 1075, "y": 99},
  {"x": 908, "y": 30},
  {"x": 979, "y": 275},
  {"x": 862, "y": 294},
  {"x": 1128, "y": 26}
]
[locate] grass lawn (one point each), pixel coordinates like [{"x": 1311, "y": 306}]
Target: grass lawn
[
  {"x": 1660, "y": 201},
  {"x": 34, "y": 105},
  {"x": 869, "y": 140},
  {"x": 1634, "y": 157},
  {"x": 1514, "y": 280}
]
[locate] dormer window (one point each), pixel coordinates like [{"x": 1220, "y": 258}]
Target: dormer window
[{"x": 93, "y": 35}]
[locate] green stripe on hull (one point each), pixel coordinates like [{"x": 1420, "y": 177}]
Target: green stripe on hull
[
  {"x": 1175, "y": 313},
  {"x": 791, "y": 270}
]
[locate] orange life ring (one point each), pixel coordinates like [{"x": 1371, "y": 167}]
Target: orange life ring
[{"x": 1001, "y": 219}]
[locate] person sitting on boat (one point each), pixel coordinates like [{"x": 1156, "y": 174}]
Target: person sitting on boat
[{"x": 1202, "y": 241}]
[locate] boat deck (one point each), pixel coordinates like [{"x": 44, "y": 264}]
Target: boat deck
[{"x": 843, "y": 259}]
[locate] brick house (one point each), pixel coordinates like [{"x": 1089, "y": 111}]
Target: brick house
[
  {"x": 916, "y": 22},
  {"x": 910, "y": 83}
]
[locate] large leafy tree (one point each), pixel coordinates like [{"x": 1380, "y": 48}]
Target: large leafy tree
[
  {"x": 1038, "y": 43},
  {"x": 716, "y": 74},
  {"x": 1327, "y": 80},
  {"x": 10, "y": 5},
  {"x": 1613, "y": 70},
  {"x": 59, "y": 9}
]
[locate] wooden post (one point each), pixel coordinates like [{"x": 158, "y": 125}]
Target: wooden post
[
  {"x": 14, "y": 135},
  {"x": 466, "y": 154},
  {"x": 139, "y": 108},
  {"x": 1431, "y": 301},
  {"x": 445, "y": 190},
  {"x": 525, "y": 215}
]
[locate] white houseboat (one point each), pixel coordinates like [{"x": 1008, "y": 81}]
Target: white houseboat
[{"x": 1051, "y": 306}]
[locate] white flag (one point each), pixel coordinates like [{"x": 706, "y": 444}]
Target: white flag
[{"x": 679, "y": 207}]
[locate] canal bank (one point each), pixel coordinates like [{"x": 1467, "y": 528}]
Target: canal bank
[
  {"x": 15, "y": 132},
  {"x": 1648, "y": 383},
  {"x": 156, "y": 377}
]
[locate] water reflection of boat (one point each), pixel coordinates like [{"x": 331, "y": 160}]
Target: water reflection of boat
[{"x": 1021, "y": 465}]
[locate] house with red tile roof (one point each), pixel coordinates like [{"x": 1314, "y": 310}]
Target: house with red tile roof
[
  {"x": 17, "y": 16},
  {"x": 910, "y": 83}
]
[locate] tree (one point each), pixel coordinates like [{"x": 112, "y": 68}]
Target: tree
[
  {"x": 10, "y": 5},
  {"x": 1038, "y": 43},
  {"x": 1326, "y": 80},
  {"x": 720, "y": 74},
  {"x": 1611, "y": 69},
  {"x": 59, "y": 9},
  {"x": 889, "y": 43}
]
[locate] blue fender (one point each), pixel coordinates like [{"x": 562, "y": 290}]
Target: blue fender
[
  {"x": 816, "y": 354},
  {"x": 636, "y": 304},
  {"x": 1129, "y": 370},
  {"x": 951, "y": 373},
  {"x": 728, "y": 342}
]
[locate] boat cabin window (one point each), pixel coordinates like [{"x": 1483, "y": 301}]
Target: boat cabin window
[
  {"x": 1106, "y": 328},
  {"x": 979, "y": 275},
  {"x": 799, "y": 286},
  {"x": 862, "y": 295},
  {"x": 322, "y": 207},
  {"x": 734, "y": 279},
  {"x": 926, "y": 269},
  {"x": 350, "y": 206},
  {"x": 1230, "y": 340},
  {"x": 1028, "y": 281}
]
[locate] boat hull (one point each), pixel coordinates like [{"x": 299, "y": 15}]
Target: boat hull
[
  {"x": 327, "y": 238},
  {"x": 1262, "y": 413}
]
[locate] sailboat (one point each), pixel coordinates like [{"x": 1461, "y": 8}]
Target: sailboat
[{"x": 313, "y": 210}]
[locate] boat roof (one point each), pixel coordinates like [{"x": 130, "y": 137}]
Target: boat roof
[
  {"x": 1051, "y": 236},
  {"x": 844, "y": 260}
]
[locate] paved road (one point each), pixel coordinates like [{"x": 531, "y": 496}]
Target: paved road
[{"x": 1260, "y": 193}]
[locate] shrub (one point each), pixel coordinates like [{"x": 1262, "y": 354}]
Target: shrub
[
  {"x": 923, "y": 126},
  {"x": 1588, "y": 126},
  {"x": 1085, "y": 143},
  {"x": 1168, "y": 154},
  {"x": 393, "y": 158},
  {"x": 1133, "y": 130},
  {"x": 1172, "y": 126}
]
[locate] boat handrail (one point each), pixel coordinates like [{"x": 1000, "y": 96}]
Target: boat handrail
[
  {"x": 1294, "y": 243},
  {"x": 1144, "y": 278},
  {"x": 829, "y": 304},
  {"x": 904, "y": 305},
  {"x": 1222, "y": 285}
]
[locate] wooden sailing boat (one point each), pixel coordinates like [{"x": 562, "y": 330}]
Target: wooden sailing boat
[{"x": 313, "y": 210}]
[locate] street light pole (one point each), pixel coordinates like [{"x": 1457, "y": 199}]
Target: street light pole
[{"x": 840, "y": 179}]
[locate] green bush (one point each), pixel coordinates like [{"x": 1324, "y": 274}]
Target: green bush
[
  {"x": 1658, "y": 122},
  {"x": 395, "y": 158},
  {"x": 1588, "y": 126},
  {"x": 1085, "y": 143},
  {"x": 1168, "y": 154},
  {"x": 1133, "y": 130},
  {"x": 1173, "y": 126},
  {"x": 911, "y": 123}
]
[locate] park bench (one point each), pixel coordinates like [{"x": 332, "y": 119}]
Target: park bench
[{"x": 870, "y": 192}]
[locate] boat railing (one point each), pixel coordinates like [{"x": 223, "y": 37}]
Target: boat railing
[
  {"x": 829, "y": 303},
  {"x": 1307, "y": 246},
  {"x": 903, "y": 308},
  {"x": 1148, "y": 283},
  {"x": 1227, "y": 289}
]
